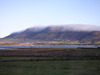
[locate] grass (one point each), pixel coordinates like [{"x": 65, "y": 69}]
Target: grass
[
  {"x": 65, "y": 67},
  {"x": 50, "y": 61}
]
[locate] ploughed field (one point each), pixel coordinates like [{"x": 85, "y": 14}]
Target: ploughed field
[{"x": 50, "y": 61}]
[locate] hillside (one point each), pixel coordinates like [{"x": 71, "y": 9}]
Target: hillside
[{"x": 80, "y": 33}]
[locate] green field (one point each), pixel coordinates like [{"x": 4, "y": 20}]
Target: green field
[
  {"x": 50, "y": 61},
  {"x": 65, "y": 67}
]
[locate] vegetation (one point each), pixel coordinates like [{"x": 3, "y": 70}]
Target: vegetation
[
  {"x": 50, "y": 61},
  {"x": 54, "y": 53},
  {"x": 65, "y": 67},
  {"x": 31, "y": 42}
]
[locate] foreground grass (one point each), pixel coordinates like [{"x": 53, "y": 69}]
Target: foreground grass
[
  {"x": 64, "y": 67},
  {"x": 50, "y": 61}
]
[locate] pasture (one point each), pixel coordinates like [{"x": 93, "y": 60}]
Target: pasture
[{"x": 50, "y": 61}]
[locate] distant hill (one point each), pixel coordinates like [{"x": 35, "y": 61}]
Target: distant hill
[{"x": 81, "y": 33}]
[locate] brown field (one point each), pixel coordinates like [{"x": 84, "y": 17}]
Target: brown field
[{"x": 54, "y": 53}]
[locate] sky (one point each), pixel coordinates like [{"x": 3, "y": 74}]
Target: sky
[{"x": 17, "y": 15}]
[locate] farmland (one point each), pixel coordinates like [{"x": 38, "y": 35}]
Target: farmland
[{"x": 50, "y": 61}]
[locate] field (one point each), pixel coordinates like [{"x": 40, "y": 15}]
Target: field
[
  {"x": 66, "y": 67},
  {"x": 50, "y": 61}
]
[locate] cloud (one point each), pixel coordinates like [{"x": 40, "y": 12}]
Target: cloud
[{"x": 75, "y": 27}]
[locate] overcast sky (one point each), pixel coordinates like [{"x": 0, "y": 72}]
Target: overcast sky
[{"x": 16, "y": 15}]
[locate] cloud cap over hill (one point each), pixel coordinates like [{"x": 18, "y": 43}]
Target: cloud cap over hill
[{"x": 75, "y": 27}]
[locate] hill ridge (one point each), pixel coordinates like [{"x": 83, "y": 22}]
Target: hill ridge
[{"x": 84, "y": 33}]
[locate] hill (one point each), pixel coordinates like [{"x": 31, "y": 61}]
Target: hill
[{"x": 80, "y": 33}]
